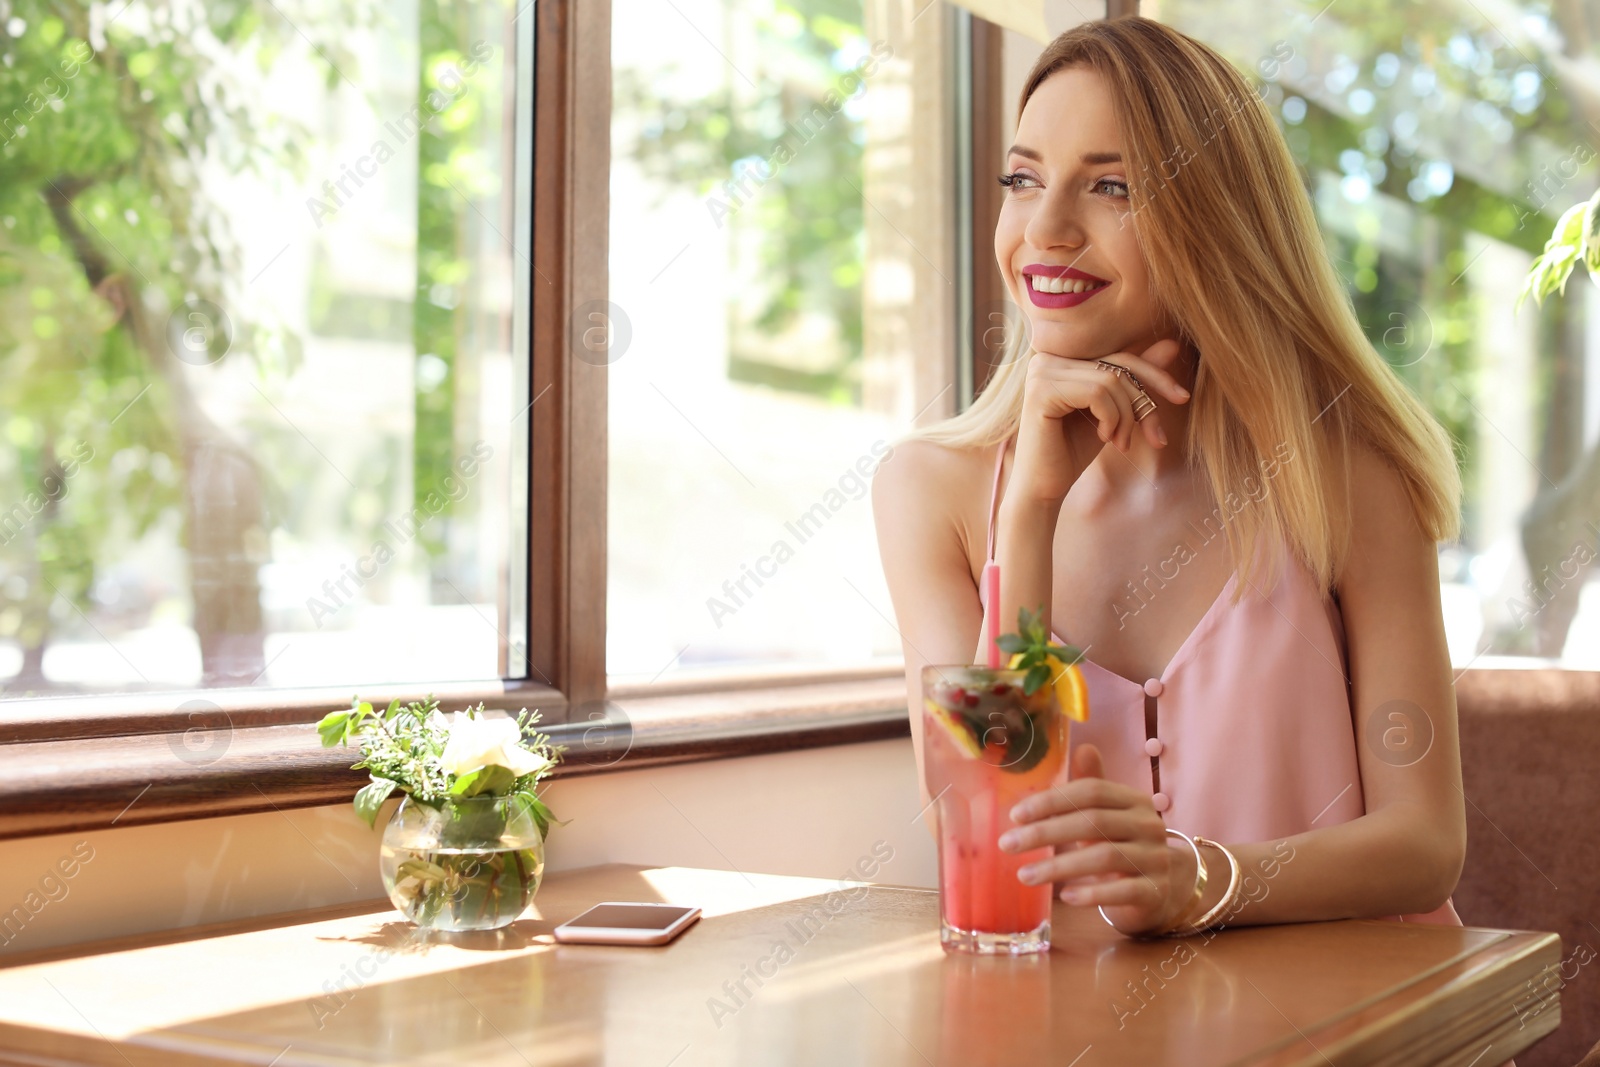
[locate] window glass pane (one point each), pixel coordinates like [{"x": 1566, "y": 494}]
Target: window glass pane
[
  {"x": 259, "y": 402},
  {"x": 1442, "y": 143},
  {"x": 782, "y": 249}
]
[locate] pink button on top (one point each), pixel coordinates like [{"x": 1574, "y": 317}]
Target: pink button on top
[
  {"x": 1153, "y": 687},
  {"x": 1161, "y": 801},
  {"x": 1153, "y": 747}
]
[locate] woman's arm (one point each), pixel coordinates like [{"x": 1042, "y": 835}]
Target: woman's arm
[
  {"x": 925, "y": 561},
  {"x": 1071, "y": 410},
  {"x": 922, "y": 539},
  {"x": 917, "y": 491},
  {"x": 1404, "y": 855}
]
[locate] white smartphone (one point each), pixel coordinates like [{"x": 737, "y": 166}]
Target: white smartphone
[{"x": 617, "y": 922}]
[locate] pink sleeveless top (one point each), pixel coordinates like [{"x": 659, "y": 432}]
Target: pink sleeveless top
[{"x": 1253, "y": 736}]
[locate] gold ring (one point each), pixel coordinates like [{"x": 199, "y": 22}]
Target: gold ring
[
  {"x": 1143, "y": 406},
  {"x": 1114, "y": 368}
]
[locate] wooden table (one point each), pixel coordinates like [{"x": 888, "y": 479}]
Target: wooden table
[{"x": 779, "y": 971}]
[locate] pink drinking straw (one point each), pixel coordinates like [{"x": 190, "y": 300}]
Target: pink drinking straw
[{"x": 991, "y": 611}]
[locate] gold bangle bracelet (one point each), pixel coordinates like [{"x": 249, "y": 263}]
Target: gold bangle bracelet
[
  {"x": 1199, "y": 885},
  {"x": 1229, "y": 895},
  {"x": 1195, "y": 898}
]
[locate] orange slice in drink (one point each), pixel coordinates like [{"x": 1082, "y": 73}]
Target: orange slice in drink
[
  {"x": 1072, "y": 692},
  {"x": 953, "y": 728}
]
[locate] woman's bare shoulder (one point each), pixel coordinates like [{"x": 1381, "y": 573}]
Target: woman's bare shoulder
[
  {"x": 925, "y": 488},
  {"x": 1388, "y": 548},
  {"x": 1380, "y": 507},
  {"x": 925, "y": 474}
]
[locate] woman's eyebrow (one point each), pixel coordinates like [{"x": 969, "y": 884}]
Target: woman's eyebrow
[{"x": 1090, "y": 158}]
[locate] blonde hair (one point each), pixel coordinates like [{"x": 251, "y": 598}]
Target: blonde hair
[{"x": 1283, "y": 359}]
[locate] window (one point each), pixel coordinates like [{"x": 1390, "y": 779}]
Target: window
[
  {"x": 784, "y": 291},
  {"x": 262, "y": 417},
  {"x": 1442, "y": 142}
]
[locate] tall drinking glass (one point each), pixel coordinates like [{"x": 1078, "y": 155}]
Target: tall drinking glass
[{"x": 985, "y": 745}]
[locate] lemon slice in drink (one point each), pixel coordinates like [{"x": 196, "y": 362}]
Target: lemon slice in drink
[
  {"x": 1072, "y": 692},
  {"x": 953, "y": 728}
]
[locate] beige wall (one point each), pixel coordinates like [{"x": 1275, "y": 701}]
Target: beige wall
[{"x": 810, "y": 812}]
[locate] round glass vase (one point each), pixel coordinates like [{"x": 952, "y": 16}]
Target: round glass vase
[{"x": 473, "y": 863}]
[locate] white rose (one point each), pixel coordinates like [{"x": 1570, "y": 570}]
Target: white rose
[{"x": 484, "y": 742}]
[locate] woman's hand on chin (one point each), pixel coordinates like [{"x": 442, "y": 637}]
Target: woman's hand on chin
[
  {"x": 1072, "y": 408},
  {"x": 1111, "y": 847}
]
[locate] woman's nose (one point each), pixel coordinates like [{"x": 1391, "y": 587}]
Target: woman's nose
[{"x": 1055, "y": 223}]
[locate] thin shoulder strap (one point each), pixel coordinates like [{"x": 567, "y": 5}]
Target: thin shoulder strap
[{"x": 994, "y": 493}]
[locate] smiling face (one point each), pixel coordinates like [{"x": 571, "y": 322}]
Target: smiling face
[{"x": 1065, "y": 241}]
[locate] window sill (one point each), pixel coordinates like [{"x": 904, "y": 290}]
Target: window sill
[
  {"x": 97, "y": 782},
  {"x": 220, "y": 767}
]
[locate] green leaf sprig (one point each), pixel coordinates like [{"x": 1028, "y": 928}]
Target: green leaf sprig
[
  {"x": 1575, "y": 239},
  {"x": 1032, "y": 640}
]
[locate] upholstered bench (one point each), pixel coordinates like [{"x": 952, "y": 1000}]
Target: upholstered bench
[{"x": 1530, "y": 761}]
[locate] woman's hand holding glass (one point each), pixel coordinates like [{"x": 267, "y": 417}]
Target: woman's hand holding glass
[
  {"x": 1111, "y": 847},
  {"x": 1055, "y": 443}
]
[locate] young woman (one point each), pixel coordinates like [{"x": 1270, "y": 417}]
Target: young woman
[{"x": 1214, "y": 487}]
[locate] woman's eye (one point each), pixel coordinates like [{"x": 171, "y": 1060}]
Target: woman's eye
[
  {"x": 1015, "y": 181},
  {"x": 1115, "y": 184}
]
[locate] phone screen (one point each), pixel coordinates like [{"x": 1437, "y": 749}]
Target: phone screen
[{"x": 630, "y": 916}]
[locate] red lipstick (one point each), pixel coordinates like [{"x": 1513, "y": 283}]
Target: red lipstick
[{"x": 1060, "y": 300}]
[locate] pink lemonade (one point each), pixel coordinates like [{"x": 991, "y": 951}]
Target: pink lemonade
[{"x": 986, "y": 746}]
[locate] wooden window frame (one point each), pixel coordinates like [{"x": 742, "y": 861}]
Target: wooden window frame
[
  {"x": 97, "y": 761},
  {"x": 567, "y": 460},
  {"x": 85, "y": 763},
  {"x": 985, "y": 151},
  {"x": 64, "y": 760},
  {"x": 566, "y": 498}
]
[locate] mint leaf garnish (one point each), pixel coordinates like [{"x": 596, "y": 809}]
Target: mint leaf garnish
[{"x": 1032, "y": 641}]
